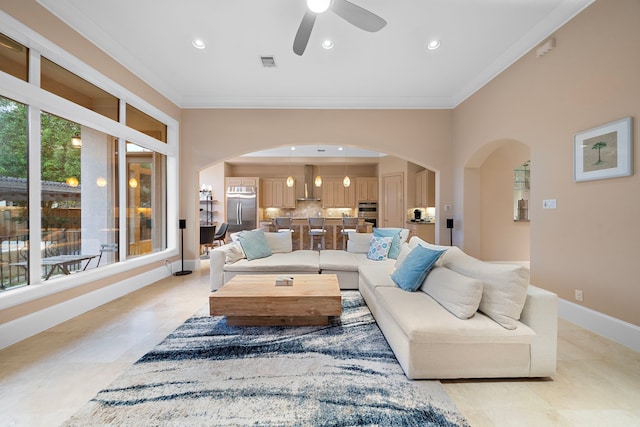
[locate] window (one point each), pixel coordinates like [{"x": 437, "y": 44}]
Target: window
[
  {"x": 79, "y": 197},
  {"x": 146, "y": 201},
  {"x": 14, "y": 58},
  {"x": 64, "y": 83},
  {"x": 101, "y": 200},
  {"x": 14, "y": 207},
  {"x": 146, "y": 124}
]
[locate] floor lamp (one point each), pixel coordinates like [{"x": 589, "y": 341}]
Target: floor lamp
[{"x": 183, "y": 272}]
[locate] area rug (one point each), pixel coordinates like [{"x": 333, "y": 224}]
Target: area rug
[{"x": 208, "y": 373}]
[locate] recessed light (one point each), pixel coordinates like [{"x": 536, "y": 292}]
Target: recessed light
[
  {"x": 327, "y": 44},
  {"x": 198, "y": 44},
  {"x": 433, "y": 44},
  {"x": 340, "y": 148}
]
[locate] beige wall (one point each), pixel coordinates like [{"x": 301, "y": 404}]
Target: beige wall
[
  {"x": 209, "y": 136},
  {"x": 590, "y": 241},
  {"x": 501, "y": 238}
]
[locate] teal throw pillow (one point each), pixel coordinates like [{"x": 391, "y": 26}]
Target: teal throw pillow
[
  {"x": 254, "y": 244},
  {"x": 395, "y": 244},
  {"x": 379, "y": 248},
  {"x": 412, "y": 272}
]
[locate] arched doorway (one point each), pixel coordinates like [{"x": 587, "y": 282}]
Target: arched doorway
[{"x": 492, "y": 232}]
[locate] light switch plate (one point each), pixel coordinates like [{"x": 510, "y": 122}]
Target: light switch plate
[{"x": 549, "y": 204}]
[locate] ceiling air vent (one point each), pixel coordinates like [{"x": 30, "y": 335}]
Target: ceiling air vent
[{"x": 268, "y": 61}]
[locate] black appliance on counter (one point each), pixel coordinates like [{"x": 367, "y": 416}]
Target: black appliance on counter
[{"x": 369, "y": 212}]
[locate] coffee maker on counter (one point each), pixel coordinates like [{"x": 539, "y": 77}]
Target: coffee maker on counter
[{"x": 417, "y": 215}]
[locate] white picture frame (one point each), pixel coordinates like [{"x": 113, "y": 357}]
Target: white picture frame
[{"x": 605, "y": 151}]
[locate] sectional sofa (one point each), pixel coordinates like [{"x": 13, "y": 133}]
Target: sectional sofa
[{"x": 466, "y": 319}]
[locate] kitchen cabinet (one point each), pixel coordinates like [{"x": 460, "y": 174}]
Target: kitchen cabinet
[
  {"x": 425, "y": 188},
  {"x": 424, "y": 230},
  {"x": 276, "y": 194},
  {"x": 241, "y": 181},
  {"x": 336, "y": 195},
  {"x": 367, "y": 189}
]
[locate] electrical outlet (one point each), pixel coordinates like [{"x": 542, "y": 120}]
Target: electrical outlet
[
  {"x": 167, "y": 264},
  {"x": 549, "y": 204},
  {"x": 579, "y": 296}
]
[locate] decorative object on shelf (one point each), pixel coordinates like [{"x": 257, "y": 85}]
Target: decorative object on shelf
[
  {"x": 521, "y": 187},
  {"x": 206, "y": 197},
  {"x": 604, "y": 151}
]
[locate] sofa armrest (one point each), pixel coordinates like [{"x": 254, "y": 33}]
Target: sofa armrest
[
  {"x": 540, "y": 313},
  {"x": 218, "y": 258}
]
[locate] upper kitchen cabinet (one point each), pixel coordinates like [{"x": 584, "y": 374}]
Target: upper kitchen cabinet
[
  {"x": 425, "y": 188},
  {"x": 336, "y": 195},
  {"x": 241, "y": 181},
  {"x": 276, "y": 194},
  {"x": 367, "y": 189}
]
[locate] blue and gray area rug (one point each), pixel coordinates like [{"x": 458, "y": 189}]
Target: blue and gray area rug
[{"x": 207, "y": 373}]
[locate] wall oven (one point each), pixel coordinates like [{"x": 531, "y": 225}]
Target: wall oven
[{"x": 369, "y": 212}]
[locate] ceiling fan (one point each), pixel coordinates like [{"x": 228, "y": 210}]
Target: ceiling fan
[{"x": 348, "y": 11}]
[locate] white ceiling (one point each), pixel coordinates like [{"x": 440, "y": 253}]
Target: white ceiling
[{"x": 388, "y": 69}]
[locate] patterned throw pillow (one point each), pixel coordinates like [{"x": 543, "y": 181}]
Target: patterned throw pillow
[{"x": 379, "y": 248}]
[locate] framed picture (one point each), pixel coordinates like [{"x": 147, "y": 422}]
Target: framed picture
[{"x": 603, "y": 152}]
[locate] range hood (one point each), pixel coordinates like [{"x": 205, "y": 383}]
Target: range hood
[{"x": 308, "y": 186}]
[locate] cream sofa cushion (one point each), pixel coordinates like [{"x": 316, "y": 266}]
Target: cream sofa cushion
[
  {"x": 457, "y": 293},
  {"x": 423, "y": 320},
  {"x": 291, "y": 262},
  {"x": 504, "y": 286},
  {"x": 358, "y": 243},
  {"x": 279, "y": 242}
]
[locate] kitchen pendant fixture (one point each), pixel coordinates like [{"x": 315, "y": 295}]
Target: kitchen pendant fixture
[
  {"x": 346, "y": 181},
  {"x": 318, "y": 180},
  {"x": 290, "y": 180}
]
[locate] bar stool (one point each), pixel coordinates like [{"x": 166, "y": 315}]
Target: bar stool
[
  {"x": 316, "y": 229},
  {"x": 283, "y": 223},
  {"x": 349, "y": 224}
]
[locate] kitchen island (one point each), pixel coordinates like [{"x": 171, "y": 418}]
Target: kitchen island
[{"x": 300, "y": 227}]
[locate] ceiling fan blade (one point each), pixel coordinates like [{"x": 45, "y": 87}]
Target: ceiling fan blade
[
  {"x": 304, "y": 32},
  {"x": 358, "y": 16}
]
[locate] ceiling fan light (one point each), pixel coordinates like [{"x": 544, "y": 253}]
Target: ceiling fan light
[
  {"x": 327, "y": 44},
  {"x": 433, "y": 44},
  {"x": 290, "y": 181},
  {"x": 318, "y": 6}
]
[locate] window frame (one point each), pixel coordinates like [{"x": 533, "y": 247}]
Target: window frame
[{"x": 38, "y": 100}]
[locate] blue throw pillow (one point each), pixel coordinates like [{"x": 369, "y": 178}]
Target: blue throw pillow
[
  {"x": 379, "y": 248},
  {"x": 254, "y": 244},
  {"x": 395, "y": 244},
  {"x": 412, "y": 272}
]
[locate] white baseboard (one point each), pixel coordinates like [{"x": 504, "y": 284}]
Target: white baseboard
[
  {"x": 609, "y": 327},
  {"x": 24, "y": 327}
]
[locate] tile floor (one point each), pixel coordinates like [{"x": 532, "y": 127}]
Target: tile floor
[{"x": 48, "y": 377}]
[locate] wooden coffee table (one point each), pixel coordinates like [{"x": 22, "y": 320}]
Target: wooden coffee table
[{"x": 255, "y": 300}]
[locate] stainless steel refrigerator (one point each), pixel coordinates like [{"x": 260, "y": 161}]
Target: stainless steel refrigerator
[{"x": 241, "y": 208}]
